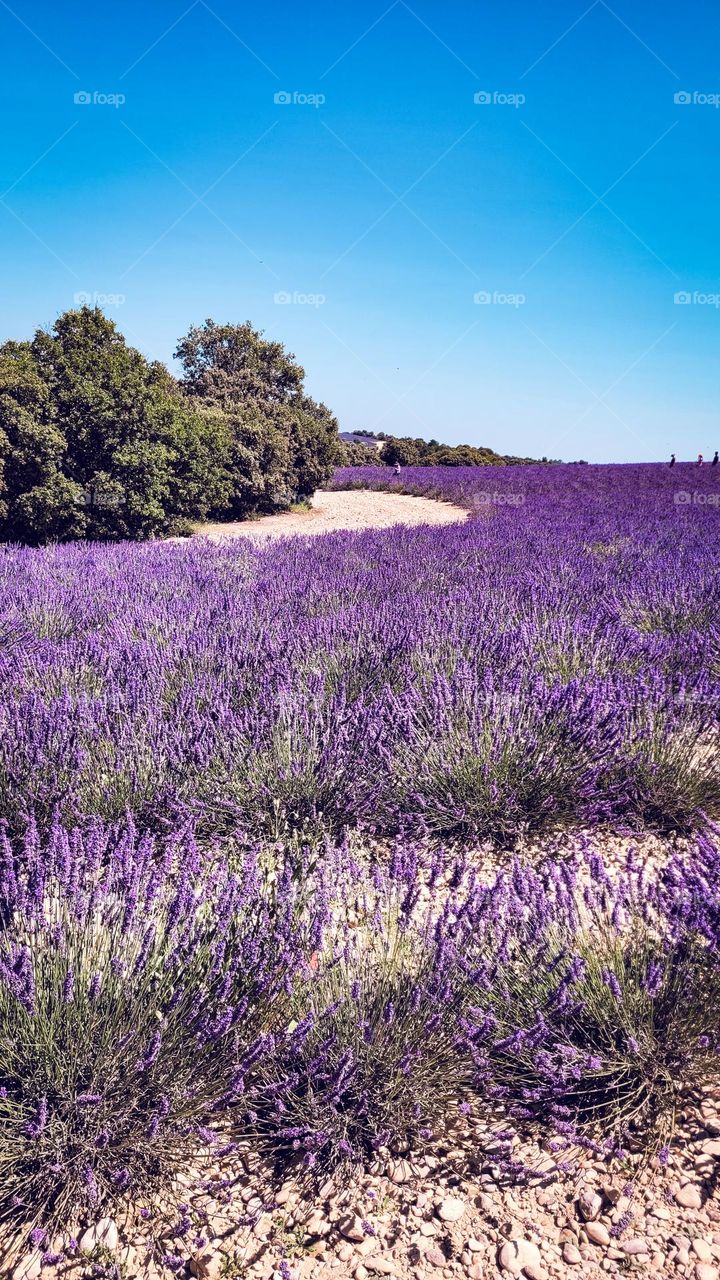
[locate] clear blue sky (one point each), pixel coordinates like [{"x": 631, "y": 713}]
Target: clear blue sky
[{"x": 396, "y": 200}]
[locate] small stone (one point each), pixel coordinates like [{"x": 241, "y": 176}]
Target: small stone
[
  {"x": 704, "y": 1271},
  {"x": 702, "y": 1250},
  {"x": 689, "y": 1196},
  {"x": 476, "y": 1272},
  {"x": 590, "y": 1205},
  {"x": 402, "y": 1171},
  {"x": 473, "y": 1245},
  {"x": 634, "y": 1246},
  {"x": 29, "y": 1268},
  {"x": 102, "y": 1234},
  {"x": 428, "y": 1229},
  {"x": 572, "y": 1254},
  {"x": 382, "y": 1266},
  {"x": 451, "y": 1210},
  {"x": 352, "y": 1228},
  {"x": 208, "y": 1264},
  {"x": 317, "y": 1225},
  {"x": 516, "y": 1255},
  {"x": 712, "y": 1149},
  {"x": 598, "y": 1233},
  {"x": 436, "y": 1257}
]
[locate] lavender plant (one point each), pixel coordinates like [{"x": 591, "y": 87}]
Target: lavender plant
[
  {"x": 371, "y": 1058},
  {"x": 139, "y": 988},
  {"x": 593, "y": 1000}
]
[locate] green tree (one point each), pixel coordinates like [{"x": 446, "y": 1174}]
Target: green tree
[
  {"x": 97, "y": 442},
  {"x": 282, "y": 443}
]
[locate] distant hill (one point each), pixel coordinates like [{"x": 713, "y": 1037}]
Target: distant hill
[{"x": 375, "y": 448}]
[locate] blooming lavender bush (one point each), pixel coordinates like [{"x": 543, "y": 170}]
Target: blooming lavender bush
[
  {"x": 593, "y": 1001},
  {"x": 371, "y": 1058},
  {"x": 138, "y": 992}
]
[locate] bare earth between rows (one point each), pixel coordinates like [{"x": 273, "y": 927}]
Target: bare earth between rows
[{"x": 343, "y": 509}]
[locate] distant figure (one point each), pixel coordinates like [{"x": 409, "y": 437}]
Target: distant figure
[
  {"x": 700, "y": 460},
  {"x": 396, "y": 469},
  {"x": 672, "y": 460},
  {"x": 716, "y": 458}
]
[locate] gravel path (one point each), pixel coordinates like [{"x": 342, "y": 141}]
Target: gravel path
[{"x": 342, "y": 509}]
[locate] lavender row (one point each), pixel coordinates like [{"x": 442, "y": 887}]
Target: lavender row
[{"x": 163, "y": 1011}]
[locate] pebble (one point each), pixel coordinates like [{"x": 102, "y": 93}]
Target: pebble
[
  {"x": 383, "y": 1266},
  {"x": 436, "y": 1257},
  {"x": 702, "y": 1250},
  {"x": 208, "y": 1265},
  {"x": 317, "y": 1225},
  {"x": 29, "y": 1268},
  {"x": 451, "y": 1210},
  {"x": 598, "y": 1233},
  {"x": 517, "y": 1255},
  {"x": 572, "y": 1254},
  {"x": 103, "y": 1233},
  {"x": 689, "y": 1196},
  {"x": 634, "y": 1246},
  {"x": 590, "y": 1204},
  {"x": 352, "y": 1228},
  {"x": 704, "y": 1271}
]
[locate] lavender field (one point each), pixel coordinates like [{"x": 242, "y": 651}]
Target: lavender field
[{"x": 318, "y": 851}]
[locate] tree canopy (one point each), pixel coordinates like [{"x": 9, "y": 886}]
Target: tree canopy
[{"x": 98, "y": 442}]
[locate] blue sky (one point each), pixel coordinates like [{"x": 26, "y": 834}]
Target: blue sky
[{"x": 381, "y": 213}]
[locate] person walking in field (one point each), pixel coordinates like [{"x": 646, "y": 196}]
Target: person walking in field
[
  {"x": 672, "y": 460},
  {"x": 716, "y": 458},
  {"x": 396, "y": 469},
  {"x": 700, "y": 460}
]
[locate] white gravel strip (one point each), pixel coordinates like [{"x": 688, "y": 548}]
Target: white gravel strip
[{"x": 341, "y": 509}]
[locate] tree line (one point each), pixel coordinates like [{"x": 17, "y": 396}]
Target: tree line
[{"x": 98, "y": 442}]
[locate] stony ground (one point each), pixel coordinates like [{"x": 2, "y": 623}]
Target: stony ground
[
  {"x": 445, "y": 1216},
  {"x": 344, "y": 509}
]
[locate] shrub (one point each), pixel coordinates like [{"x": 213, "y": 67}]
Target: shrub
[
  {"x": 592, "y": 1003},
  {"x": 372, "y": 1058},
  {"x": 138, "y": 992},
  {"x": 494, "y": 762}
]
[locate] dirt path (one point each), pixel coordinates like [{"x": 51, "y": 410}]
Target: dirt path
[{"x": 342, "y": 509}]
